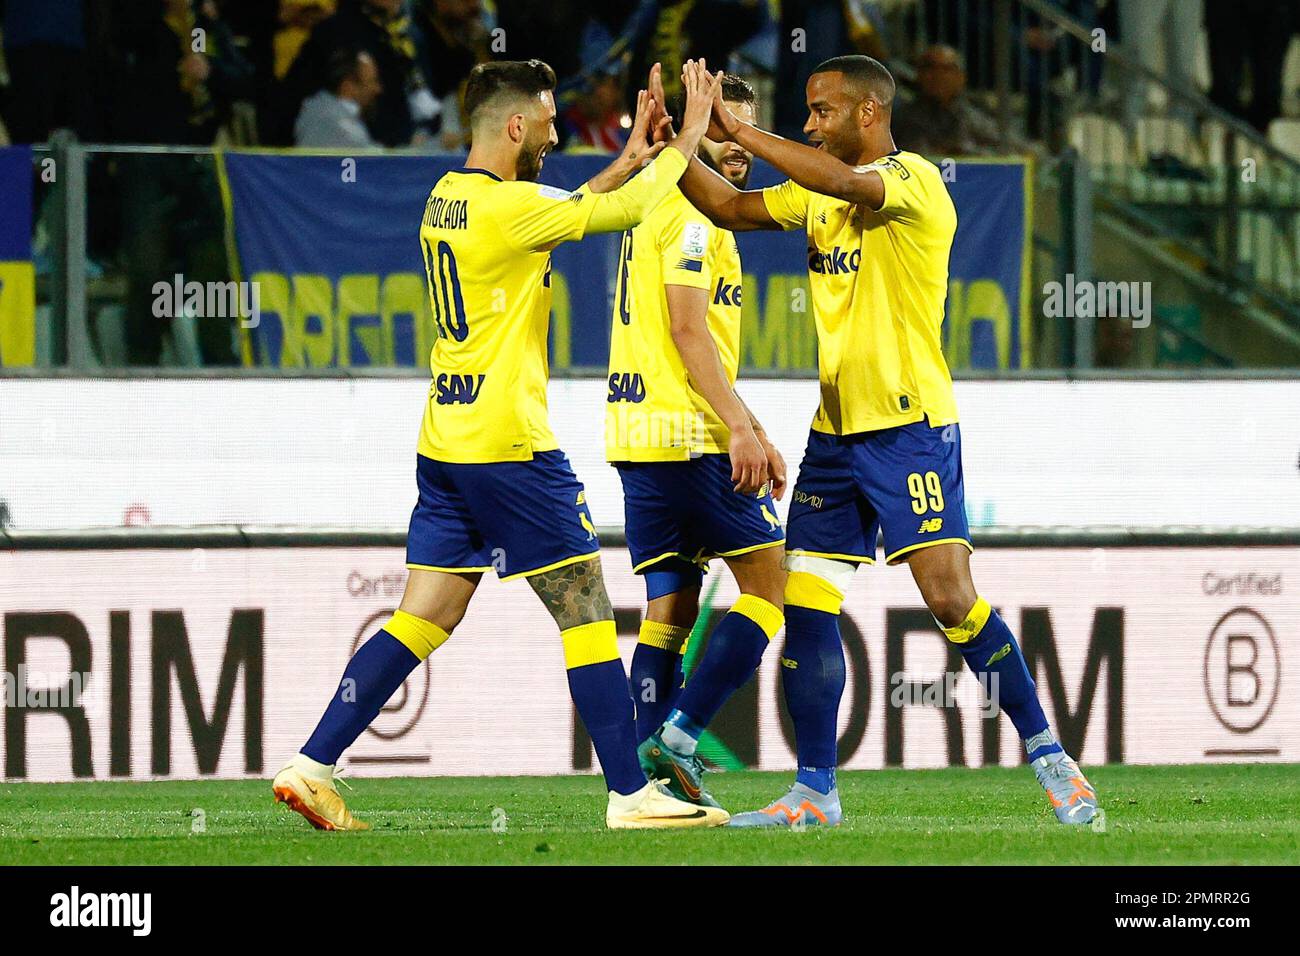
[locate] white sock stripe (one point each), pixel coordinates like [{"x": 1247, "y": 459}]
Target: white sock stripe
[{"x": 838, "y": 573}]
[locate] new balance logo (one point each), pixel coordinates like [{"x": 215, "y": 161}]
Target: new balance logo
[
  {"x": 1000, "y": 653},
  {"x": 792, "y": 665},
  {"x": 930, "y": 525},
  {"x": 458, "y": 389}
]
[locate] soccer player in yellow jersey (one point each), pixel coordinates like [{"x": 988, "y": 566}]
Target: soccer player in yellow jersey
[
  {"x": 694, "y": 464},
  {"x": 495, "y": 492},
  {"x": 884, "y": 453}
]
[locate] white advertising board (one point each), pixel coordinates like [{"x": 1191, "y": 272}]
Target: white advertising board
[
  {"x": 103, "y": 452},
  {"x": 219, "y": 662}
]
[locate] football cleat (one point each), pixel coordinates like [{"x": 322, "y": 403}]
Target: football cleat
[
  {"x": 317, "y": 800},
  {"x": 684, "y": 772},
  {"x": 801, "y": 807},
  {"x": 653, "y": 807},
  {"x": 1073, "y": 799}
]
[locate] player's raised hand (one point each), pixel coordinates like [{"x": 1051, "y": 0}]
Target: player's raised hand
[
  {"x": 640, "y": 149},
  {"x": 661, "y": 124},
  {"x": 748, "y": 461},
  {"x": 701, "y": 90},
  {"x": 722, "y": 122}
]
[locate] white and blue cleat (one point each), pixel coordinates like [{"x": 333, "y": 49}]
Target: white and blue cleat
[
  {"x": 1073, "y": 799},
  {"x": 801, "y": 807}
]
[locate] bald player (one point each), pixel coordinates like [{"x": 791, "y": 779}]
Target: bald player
[{"x": 884, "y": 452}]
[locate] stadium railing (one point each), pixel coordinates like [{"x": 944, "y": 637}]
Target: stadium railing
[{"x": 1217, "y": 201}]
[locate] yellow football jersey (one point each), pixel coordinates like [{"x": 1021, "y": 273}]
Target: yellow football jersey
[
  {"x": 652, "y": 413},
  {"x": 486, "y": 245},
  {"x": 878, "y": 282}
]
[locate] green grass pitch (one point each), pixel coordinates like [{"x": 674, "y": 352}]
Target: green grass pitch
[{"x": 1155, "y": 815}]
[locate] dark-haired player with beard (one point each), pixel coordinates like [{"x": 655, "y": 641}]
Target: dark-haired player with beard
[
  {"x": 884, "y": 453},
  {"x": 495, "y": 491},
  {"x": 698, "y": 472}
]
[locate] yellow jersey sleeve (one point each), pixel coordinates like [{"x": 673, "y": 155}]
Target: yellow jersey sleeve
[
  {"x": 630, "y": 204},
  {"x": 908, "y": 192},
  {"x": 787, "y": 203},
  {"x": 683, "y": 246},
  {"x": 540, "y": 217}
]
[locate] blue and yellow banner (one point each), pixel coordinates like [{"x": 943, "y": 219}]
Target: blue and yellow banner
[
  {"x": 17, "y": 275},
  {"x": 332, "y": 242}
]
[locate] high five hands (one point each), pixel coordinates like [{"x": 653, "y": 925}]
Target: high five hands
[{"x": 723, "y": 124}]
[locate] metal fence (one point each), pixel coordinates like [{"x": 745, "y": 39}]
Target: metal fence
[{"x": 1137, "y": 174}]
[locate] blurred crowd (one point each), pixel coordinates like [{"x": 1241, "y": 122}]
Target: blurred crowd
[
  {"x": 350, "y": 74},
  {"x": 355, "y": 73},
  {"x": 330, "y": 73},
  {"x": 358, "y": 73}
]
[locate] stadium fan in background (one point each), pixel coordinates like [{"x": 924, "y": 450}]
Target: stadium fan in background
[
  {"x": 828, "y": 28},
  {"x": 335, "y": 116},
  {"x": 171, "y": 208},
  {"x": 452, "y": 38},
  {"x": 45, "y": 51},
  {"x": 405, "y": 112},
  {"x": 941, "y": 121},
  {"x": 168, "y": 92},
  {"x": 712, "y": 29},
  {"x": 1162, "y": 35},
  {"x": 595, "y": 119},
  {"x": 1257, "y": 32},
  {"x": 297, "y": 19}
]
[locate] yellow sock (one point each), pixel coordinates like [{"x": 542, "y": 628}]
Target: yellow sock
[
  {"x": 421, "y": 637},
  {"x": 666, "y": 637},
  {"x": 592, "y": 643}
]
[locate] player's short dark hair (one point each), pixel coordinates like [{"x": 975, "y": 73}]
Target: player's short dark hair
[
  {"x": 868, "y": 76},
  {"x": 735, "y": 89},
  {"x": 515, "y": 79}
]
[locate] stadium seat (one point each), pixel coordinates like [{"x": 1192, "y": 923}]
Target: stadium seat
[
  {"x": 1214, "y": 135},
  {"x": 1100, "y": 140},
  {"x": 1158, "y": 135},
  {"x": 1285, "y": 135}
]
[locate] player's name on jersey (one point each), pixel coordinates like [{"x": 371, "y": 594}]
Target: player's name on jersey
[{"x": 443, "y": 213}]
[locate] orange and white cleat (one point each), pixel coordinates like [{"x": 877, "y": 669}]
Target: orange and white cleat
[
  {"x": 801, "y": 807},
  {"x": 1073, "y": 799},
  {"x": 316, "y": 799}
]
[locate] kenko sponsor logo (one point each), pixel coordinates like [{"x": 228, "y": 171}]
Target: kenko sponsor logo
[
  {"x": 170, "y": 665},
  {"x": 737, "y": 726},
  {"x": 96, "y": 910}
]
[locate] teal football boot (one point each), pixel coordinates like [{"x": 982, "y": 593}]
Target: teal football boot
[{"x": 684, "y": 773}]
